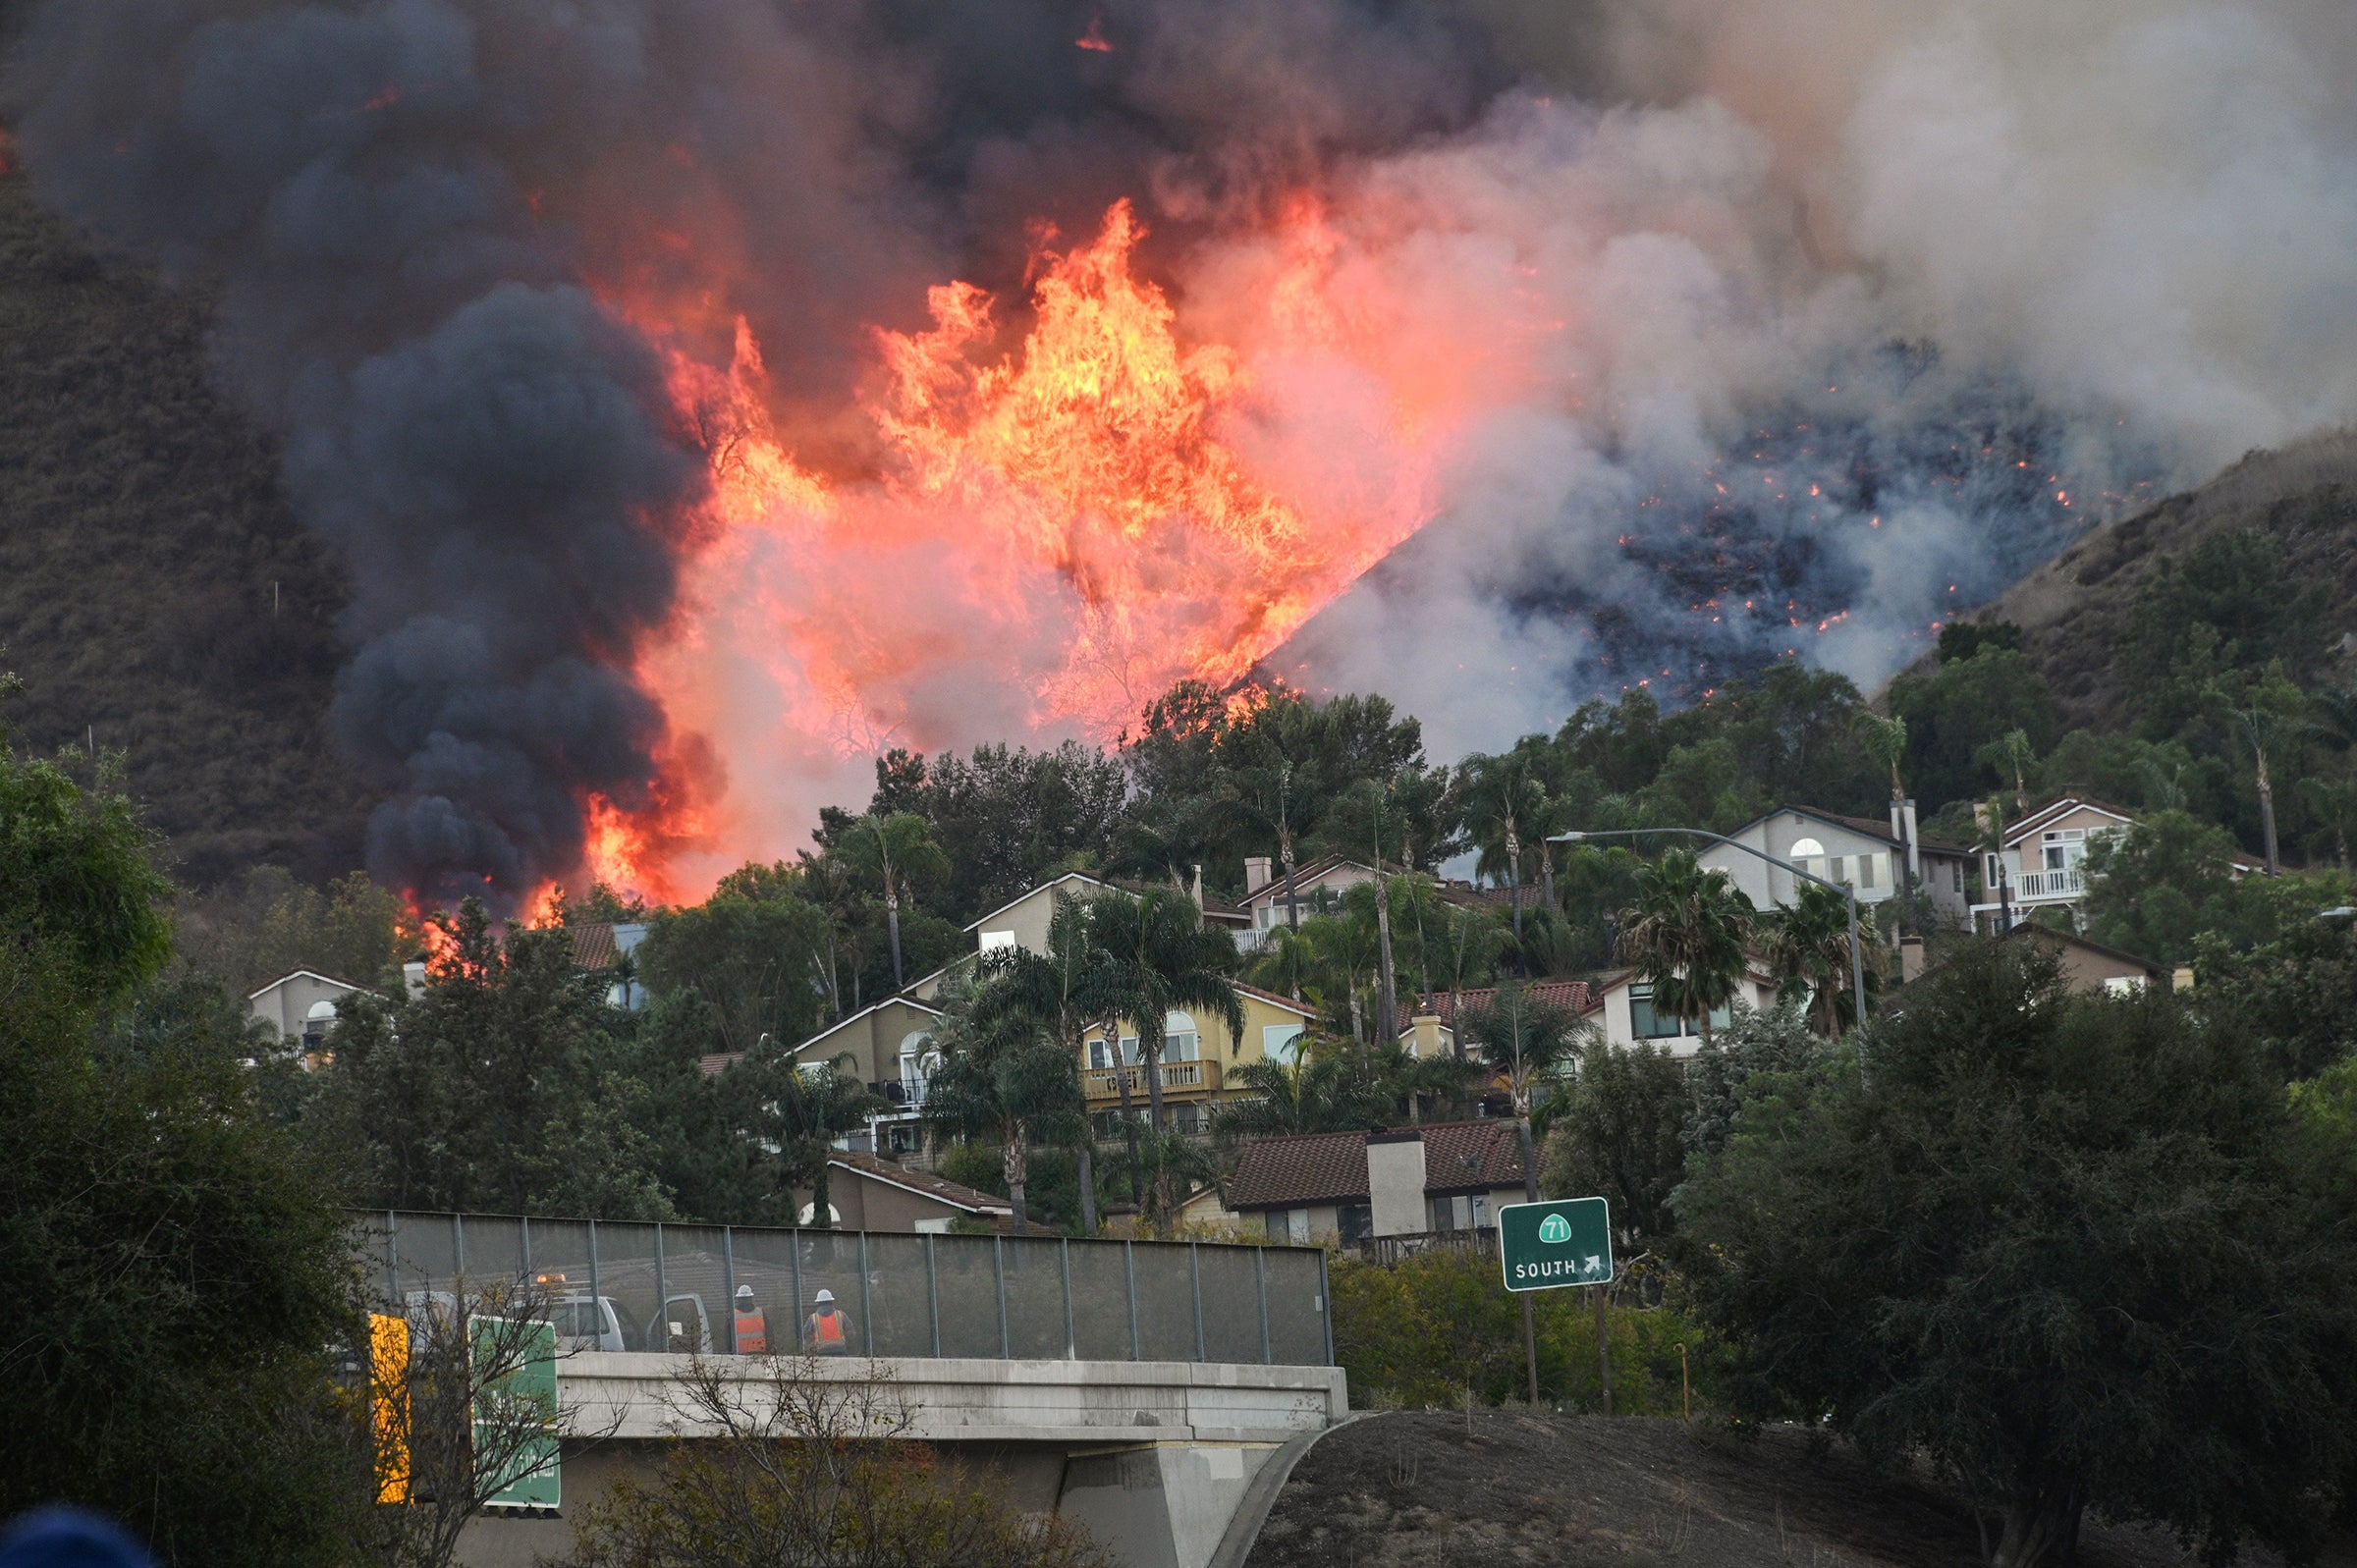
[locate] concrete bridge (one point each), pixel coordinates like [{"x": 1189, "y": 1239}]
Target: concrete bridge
[{"x": 1152, "y": 1457}]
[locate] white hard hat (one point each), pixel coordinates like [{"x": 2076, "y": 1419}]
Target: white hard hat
[
  {"x": 746, "y": 1291},
  {"x": 826, "y": 1297}
]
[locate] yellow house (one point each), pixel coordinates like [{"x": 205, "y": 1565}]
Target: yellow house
[{"x": 1197, "y": 1055}]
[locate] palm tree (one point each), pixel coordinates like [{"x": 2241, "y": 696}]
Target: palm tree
[
  {"x": 1343, "y": 945},
  {"x": 1501, "y": 796},
  {"x": 899, "y": 849},
  {"x": 1284, "y": 961},
  {"x": 1806, "y": 946},
  {"x": 1989, "y": 815},
  {"x": 1684, "y": 935},
  {"x": 1405, "y": 1082},
  {"x": 1318, "y": 1091},
  {"x": 801, "y": 1109},
  {"x": 1885, "y": 741},
  {"x": 2011, "y": 754},
  {"x": 2266, "y": 714},
  {"x": 1160, "y": 961},
  {"x": 1013, "y": 1082},
  {"x": 1527, "y": 1041},
  {"x": 1062, "y": 992},
  {"x": 1371, "y": 807},
  {"x": 1469, "y": 948}
]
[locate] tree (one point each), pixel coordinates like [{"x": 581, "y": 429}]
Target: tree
[
  {"x": 1962, "y": 707},
  {"x": 793, "y": 1469},
  {"x": 753, "y": 959},
  {"x": 1618, "y": 1133},
  {"x": 2264, "y": 715},
  {"x": 173, "y": 1257},
  {"x": 2334, "y": 804},
  {"x": 896, "y": 850},
  {"x": 1806, "y": 947},
  {"x": 250, "y": 932},
  {"x": 1283, "y": 962},
  {"x": 1753, "y": 1055},
  {"x": 1686, "y": 935},
  {"x": 1501, "y": 795},
  {"x": 1160, "y": 960},
  {"x": 1012, "y": 1081},
  {"x": 2063, "y": 1246},
  {"x": 1059, "y": 993},
  {"x": 799, "y": 1109},
  {"x": 496, "y": 1089},
  {"x": 1321, "y": 1090},
  {"x": 2157, "y": 888},
  {"x": 1885, "y": 741}
]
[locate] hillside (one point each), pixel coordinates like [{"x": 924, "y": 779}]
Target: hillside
[
  {"x": 2076, "y": 611},
  {"x": 1408, "y": 1490},
  {"x": 157, "y": 595}
]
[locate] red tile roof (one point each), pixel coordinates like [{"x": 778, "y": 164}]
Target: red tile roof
[
  {"x": 1570, "y": 995},
  {"x": 593, "y": 947},
  {"x": 1332, "y": 1166},
  {"x": 718, "y": 1062}
]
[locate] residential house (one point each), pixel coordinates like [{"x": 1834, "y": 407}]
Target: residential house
[
  {"x": 890, "y": 1050},
  {"x": 608, "y": 948},
  {"x": 2041, "y": 860},
  {"x": 1349, "y": 1186},
  {"x": 2092, "y": 966},
  {"x": 1271, "y": 900},
  {"x": 300, "y": 1006},
  {"x": 1871, "y": 857},
  {"x": 868, "y": 1193},
  {"x": 1197, "y": 1055},
  {"x": 1621, "y": 1007}
]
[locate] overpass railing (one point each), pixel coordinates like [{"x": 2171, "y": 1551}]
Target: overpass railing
[{"x": 642, "y": 1285}]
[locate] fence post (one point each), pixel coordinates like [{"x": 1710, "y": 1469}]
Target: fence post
[
  {"x": 1130, "y": 1269},
  {"x": 728, "y": 1282},
  {"x": 932, "y": 1295},
  {"x": 867, "y": 1319},
  {"x": 1195, "y": 1268},
  {"x": 1326, "y": 1304},
  {"x": 659, "y": 1330},
  {"x": 797, "y": 1253},
  {"x": 1260, "y": 1286},
  {"x": 524, "y": 1227},
  {"x": 597, "y": 1298},
  {"x": 998, "y": 1262},
  {"x": 1072, "y": 1344},
  {"x": 457, "y": 1249},
  {"x": 392, "y": 1258}
]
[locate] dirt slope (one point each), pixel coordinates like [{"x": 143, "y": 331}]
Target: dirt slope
[
  {"x": 2074, "y": 611},
  {"x": 1577, "y": 1491}
]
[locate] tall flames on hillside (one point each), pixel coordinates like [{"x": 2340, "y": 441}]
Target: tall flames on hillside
[{"x": 1066, "y": 513}]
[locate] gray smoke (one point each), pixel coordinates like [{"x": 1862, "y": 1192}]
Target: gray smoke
[{"x": 1870, "y": 304}]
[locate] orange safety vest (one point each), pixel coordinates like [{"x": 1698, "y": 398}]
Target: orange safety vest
[
  {"x": 752, "y": 1333},
  {"x": 826, "y": 1332}
]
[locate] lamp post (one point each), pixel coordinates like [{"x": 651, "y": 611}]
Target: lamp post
[{"x": 1857, "y": 955}]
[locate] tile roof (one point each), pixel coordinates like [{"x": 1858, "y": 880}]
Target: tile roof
[
  {"x": 1874, "y": 829},
  {"x": 718, "y": 1062},
  {"x": 1276, "y": 999},
  {"x": 940, "y": 1188},
  {"x": 593, "y": 947},
  {"x": 1572, "y": 995},
  {"x": 1332, "y": 1166}
]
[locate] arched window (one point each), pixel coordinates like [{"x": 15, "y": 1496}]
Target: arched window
[
  {"x": 315, "y": 1024},
  {"x": 1806, "y": 848},
  {"x": 1179, "y": 1041},
  {"x": 1810, "y": 856}
]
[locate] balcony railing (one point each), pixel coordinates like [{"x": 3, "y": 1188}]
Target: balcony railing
[
  {"x": 1177, "y": 1077},
  {"x": 2067, "y": 882}
]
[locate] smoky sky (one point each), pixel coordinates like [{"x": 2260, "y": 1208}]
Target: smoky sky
[{"x": 1886, "y": 300}]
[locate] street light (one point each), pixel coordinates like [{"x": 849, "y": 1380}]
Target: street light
[{"x": 1857, "y": 955}]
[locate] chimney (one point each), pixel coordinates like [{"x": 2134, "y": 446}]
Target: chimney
[
  {"x": 1395, "y": 1183},
  {"x": 1910, "y": 960},
  {"x": 1256, "y": 874},
  {"x": 1913, "y": 843},
  {"x": 1197, "y": 890},
  {"x": 2181, "y": 979},
  {"x": 413, "y": 976}
]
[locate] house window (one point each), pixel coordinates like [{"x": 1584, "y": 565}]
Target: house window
[
  {"x": 2064, "y": 847},
  {"x": 1186, "y": 1117},
  {"x": 993, "y": 941},
  {"x": 1281, "y": 1041},
  {"x": 1356, "y": 1222},
  {"x": 1100, "y": 1054},
  {"x": 1810, "y": 855},
  {"x": 1957, "y": 867},
  {"x": 1179, "y": 1041},
  {"x": 1990, "y": 870},
  {"x": 1647, "y": 1024}
]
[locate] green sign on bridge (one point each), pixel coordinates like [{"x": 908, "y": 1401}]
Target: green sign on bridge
[{"x": 1544, "y": 1246}]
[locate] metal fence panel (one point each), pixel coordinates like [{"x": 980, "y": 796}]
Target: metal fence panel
[
  {"x": 627, "y": 1286},
  {"x": 1166, "y": 1302}
]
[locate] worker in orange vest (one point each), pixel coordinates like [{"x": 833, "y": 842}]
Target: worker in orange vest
[
  {"x": 753, "y": 1325},
  {"x": 828, "y": 1331}
]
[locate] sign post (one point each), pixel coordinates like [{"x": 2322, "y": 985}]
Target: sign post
[{"x": 1559, "y": 1243}]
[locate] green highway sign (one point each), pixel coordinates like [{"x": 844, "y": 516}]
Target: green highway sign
[{"x": 1544, "y": 1246}]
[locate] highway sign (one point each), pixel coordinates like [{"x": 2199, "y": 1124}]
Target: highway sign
[{"x": 1545, "y": 1246}]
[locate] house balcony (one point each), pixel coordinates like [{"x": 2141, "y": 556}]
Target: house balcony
[
  {"x": 1103, "y": 1084},
  {"x": 2033, "y": 890}
]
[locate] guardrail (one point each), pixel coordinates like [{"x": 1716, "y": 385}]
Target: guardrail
[
  {"x": 2051, "y": 884},
  {"x": 1104, "y": 1083},
  {"x": 639, "y": 1285}
]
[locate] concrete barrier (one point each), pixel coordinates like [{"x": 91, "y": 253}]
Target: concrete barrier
[{"x": 1152, "y": 1457}]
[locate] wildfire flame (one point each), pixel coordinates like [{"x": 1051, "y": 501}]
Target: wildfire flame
[{"x": 1071, "y": 522}]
